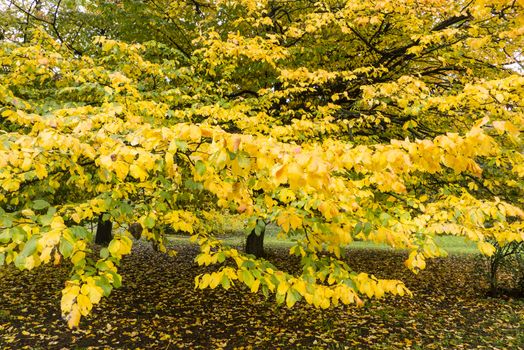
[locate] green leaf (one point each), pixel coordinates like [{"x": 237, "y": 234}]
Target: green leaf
[
  {"x": 367, "y": 228},
  {"x": 232, "y": 155},
  {"x": 181, "y": 145},
  {"x": 248, "y": 264},
  {"x": 104, "y": 253},
  {"x": 350, "y": 283},
  {"x": 18, "y": 235},
  {"x": 292, "y": 297},
  {"x": 45, "y": 220},
  {"x": 247, "y": 277},
  {"x": 244, "y": 161},
  {"x": 40, "y": 204},
  {"x": 278, "y": 297},
  {"x": 101, "y": 265},
  {"x": 192, "y": 185},
  {"x": 65, "y": 247},
  {"x": 226, "y": 284},
  {"x": 251, "y": 224},
  {"x": 117, "y": 280},
  {"x": 30, "y": 246},
  {"x": 265, "y": 291},
  {"x": 20, "y": 261},
  {"x": 5, "y": 236},
  {"x": 384, "y": 218},
  {"x": 149, "y": 222},
  {"x": 200, "y": 167},
  {"x": 260, "y": 227},
  {"x": 103, "y": 283},
  {"x": 2, "y": 259},
  {"x": 5, "y": 219},
  {"x": 125, "y": 209},
  {"x": 80, "y": 232}
]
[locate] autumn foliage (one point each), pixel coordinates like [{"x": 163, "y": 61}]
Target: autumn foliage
[{"x": 388, "y": 121}]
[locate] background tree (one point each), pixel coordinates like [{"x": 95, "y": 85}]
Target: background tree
[{"x": 335, "y": 120}]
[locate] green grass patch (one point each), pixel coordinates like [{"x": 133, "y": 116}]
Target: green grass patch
[
  {"x": 457, "y": 245},
  {"x": 451, "y": 244}
]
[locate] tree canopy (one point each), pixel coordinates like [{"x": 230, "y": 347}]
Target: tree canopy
[{"x": 388, "y": 121}]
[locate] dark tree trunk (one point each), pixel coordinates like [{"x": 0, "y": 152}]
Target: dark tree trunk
[
  {"x": 103, "y": 231},
  {"x": 255, "y": 244}
]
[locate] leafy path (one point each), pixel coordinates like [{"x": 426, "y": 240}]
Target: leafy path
[{"x": 157, "y": 307}]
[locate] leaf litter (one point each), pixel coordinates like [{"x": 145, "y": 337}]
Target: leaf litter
[{"x": 158, "y": 308}]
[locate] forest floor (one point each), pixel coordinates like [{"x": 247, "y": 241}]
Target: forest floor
[{"x": 158, "y": 308}]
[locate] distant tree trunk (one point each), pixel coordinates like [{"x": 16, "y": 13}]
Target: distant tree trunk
[
  {"x": 493, "y": 281},
  {"x": 103, "y": 231},
  {"x": 136, "y": 230},
  {"x": 255, "y": 243}
]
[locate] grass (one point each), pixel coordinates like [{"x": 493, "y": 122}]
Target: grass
[{"x": 272, "y": 239}]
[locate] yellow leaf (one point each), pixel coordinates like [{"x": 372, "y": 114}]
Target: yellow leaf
[
  {"x": 347, "y": 296},
  {"x": 114, "y": 247},
  {"x": 295, "y": 175},
  {"x": 300, "y": 287},
  {"x": 26, "y": 164},
  {"x": 68, "y": 298},
  {"x": 77, "y": 257},
  {"x": 377, "y": 290},
  {"x": 52, "y": 237},
  {"x": 195, "y": 133},
  {"x": 73, "y": 319},
  {"x": 255, "y": 286},
  {"x": 486, "y": 248},
  {"x": 84, "y": 304},
  {"x": 137, "y": 172},
  {"x": 204, "y": 281},
  {"x": 120, "y": 246},
  {"x": 121, "y": 169},
  {"x": 283, "y": 221},
  {"x": 328, "y": 209},
  {"x": 295, "y": 221},
  {"x": 93, "y": 291},
  {"x": 286, "y": 196},
  {"x": 76, "y": 217},
  {"x": 282, "y": 287},
  {"x": 269, "y": 202},
  {"x": 215, "y": 280},
  {"x": 11, "y": 185},
  {"x": 290, "y": 299},
  {"x": 289, "y": 219},
  {"x": 58, "y": 223},
  {"x": 126, "y": 245},
  {"x": 204, "y": 259},
  {"x": 57, "y": 258},
  {"x": 45, "y": 256},
  {"x": 500, "y": 126}
]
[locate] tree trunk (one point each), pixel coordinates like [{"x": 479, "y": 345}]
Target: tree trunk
[
  {"x": 103, "y": 231},
  {"x": 255, "y": 244}
]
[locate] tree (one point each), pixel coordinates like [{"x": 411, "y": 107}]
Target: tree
[
  {"x": 380, "y": 121},
  {"x": 255, "y": 239},
  {"x": 104, "y": 231}
]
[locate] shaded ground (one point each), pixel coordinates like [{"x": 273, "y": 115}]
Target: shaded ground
[{"x": 158, "y": 308}]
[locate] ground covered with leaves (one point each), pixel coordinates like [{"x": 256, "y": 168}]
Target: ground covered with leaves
[{"x": 158, "y": 308}]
